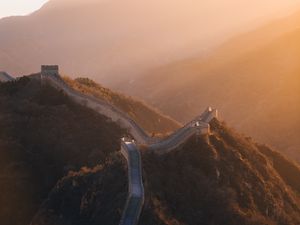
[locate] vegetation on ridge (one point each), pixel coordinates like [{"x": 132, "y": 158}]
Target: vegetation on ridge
[
  {"x": 87, "y": 197},
  {"x": 150, "y": 119},
  {"x": 222, "y": 178}
]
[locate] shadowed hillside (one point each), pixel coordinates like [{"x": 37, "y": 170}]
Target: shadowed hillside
[
  {"x": 254, "y": 80},
  {"x": 220, "y": 179},
  {"x": 223, "y": 178},
  {"x": 150, "y": 119},
  {"x": 90, "y": 196},
  {"x": 44, "y": 135}
]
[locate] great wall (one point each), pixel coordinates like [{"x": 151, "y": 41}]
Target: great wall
[
  {"x": 135, "y": 199},
  {"x": 130, "y": 147}
]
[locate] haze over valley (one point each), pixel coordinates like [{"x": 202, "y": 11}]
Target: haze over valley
[
  {"x": 165, "y": 112},
  {"x": 254, "y": 79},
  {"x": 113, "y": 40}
]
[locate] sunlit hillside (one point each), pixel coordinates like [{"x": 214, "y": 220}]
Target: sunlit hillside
[
  {"x": 254, "y": 80},
  {"x": 149, "y": 118}
]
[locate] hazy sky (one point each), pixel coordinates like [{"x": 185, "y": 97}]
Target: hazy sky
[
  {"x": 23, "y": 7},
  {"x": 19, "y": 7}
]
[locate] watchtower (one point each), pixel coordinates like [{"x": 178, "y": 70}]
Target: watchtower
[{"x": 49, "y": 70}]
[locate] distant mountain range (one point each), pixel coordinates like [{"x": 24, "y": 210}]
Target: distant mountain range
[
  {"x": 111, "y": 40},
  {"x": 107, "y": 40},
  {"x": 254, "y": 80}
]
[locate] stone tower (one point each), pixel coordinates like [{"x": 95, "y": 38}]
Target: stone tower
[{"x": 48, "y": 71}]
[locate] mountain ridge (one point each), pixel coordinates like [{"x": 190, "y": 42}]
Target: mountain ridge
[{"x": 222, "y": 161}]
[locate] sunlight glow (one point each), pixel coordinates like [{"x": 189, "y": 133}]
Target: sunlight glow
[
  {"x": 24, "y": 7},
  {"x": 19, "y": 7}
]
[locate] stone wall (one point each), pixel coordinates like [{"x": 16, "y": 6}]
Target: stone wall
[
  {"x": 102, "y": 107},
  {"x": 198, "y": 126},
  {"x": 136, "y": 195}
]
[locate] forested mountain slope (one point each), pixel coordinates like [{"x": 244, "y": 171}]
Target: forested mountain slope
[
  {"x": 223, "y": 178},
  {"x": 60, "y": 166},
  {"x": 43, "y": 136}
]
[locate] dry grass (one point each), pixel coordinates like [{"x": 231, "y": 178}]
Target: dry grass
[{"x": 149, "y": 118}]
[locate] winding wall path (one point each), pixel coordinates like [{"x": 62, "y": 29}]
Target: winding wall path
[
  {"x": 102, "y": 107},
  {"x": 199, "y": 125},
  {"x": 135, "y": 200}
]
